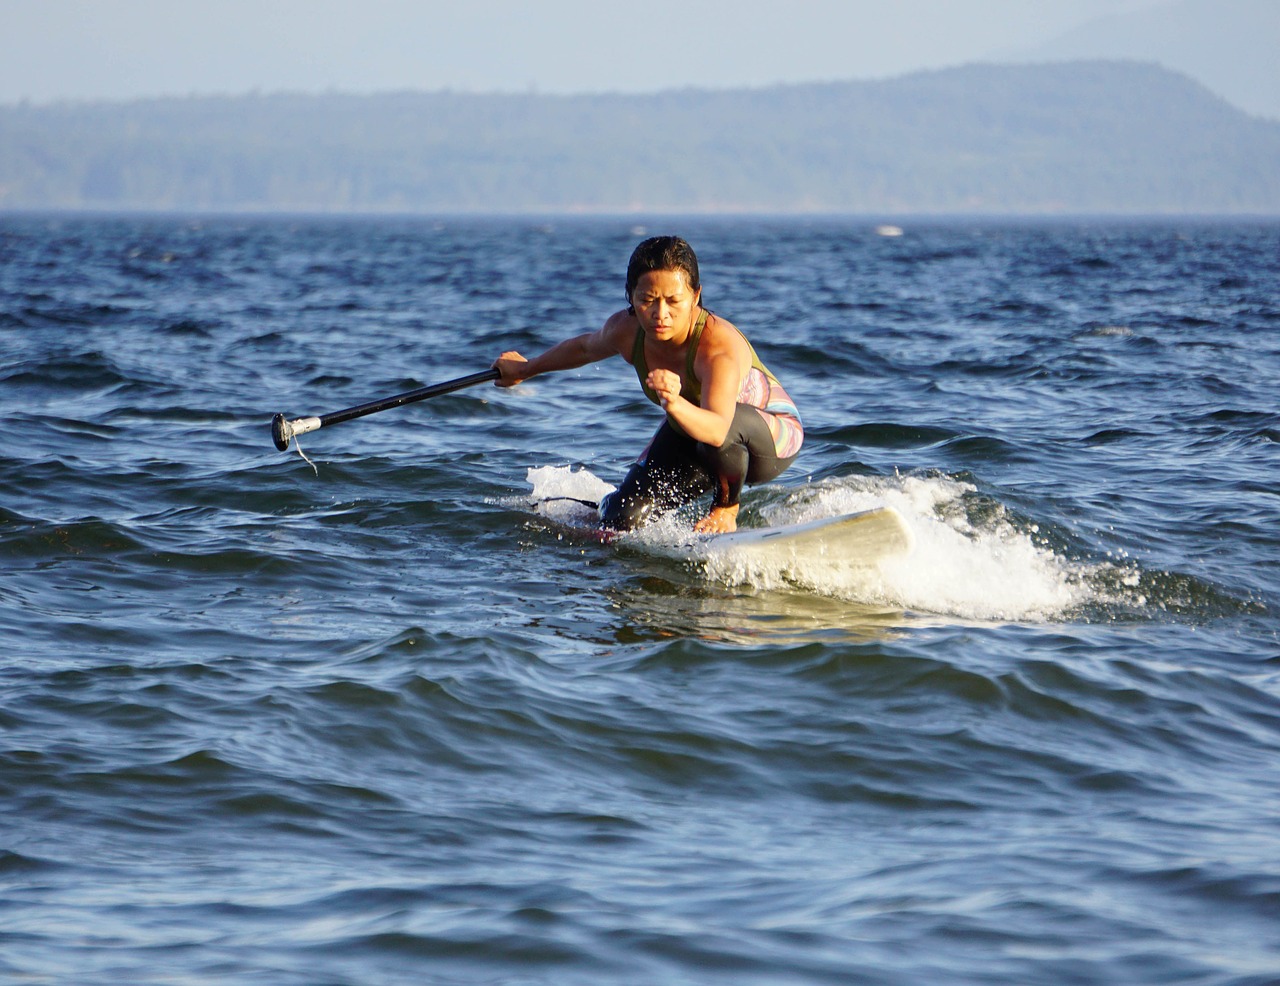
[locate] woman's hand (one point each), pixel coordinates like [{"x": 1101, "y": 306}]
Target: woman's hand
[
  {"x": 665, "y": 384},
  {"x": 509, "y": 369}
]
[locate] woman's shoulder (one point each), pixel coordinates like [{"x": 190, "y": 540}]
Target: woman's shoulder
[
  {"x": 619, "y": 330},
  {"x": 718, "y": 322},
  {"x": 721, "y": 333}
]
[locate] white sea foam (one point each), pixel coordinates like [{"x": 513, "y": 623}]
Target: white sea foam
[
  {"x": 557, "y": 490},
  {"x": 990, "y": 569},
  {"x": 972, "y": 562}
]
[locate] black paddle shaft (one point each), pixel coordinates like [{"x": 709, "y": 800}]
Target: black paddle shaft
[
  {"x": 421, "y": 394},
  {"x": 282, "y": 430}
]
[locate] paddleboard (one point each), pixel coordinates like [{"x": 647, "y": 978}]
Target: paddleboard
[{"x": 858, "y": 539}]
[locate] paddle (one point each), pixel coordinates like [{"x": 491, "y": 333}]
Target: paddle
[{"x": 282, "y": 431}]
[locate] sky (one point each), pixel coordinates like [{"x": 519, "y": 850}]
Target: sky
[{"x": 53, "y": 50}]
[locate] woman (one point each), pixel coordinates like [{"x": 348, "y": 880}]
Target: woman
[{"x": 729, "y": 421}]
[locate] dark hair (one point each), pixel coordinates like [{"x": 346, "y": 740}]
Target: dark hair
[{"x": 662, "y": 253}]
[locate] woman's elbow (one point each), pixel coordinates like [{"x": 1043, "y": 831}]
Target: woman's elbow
[{"x": 717, "y": 437}]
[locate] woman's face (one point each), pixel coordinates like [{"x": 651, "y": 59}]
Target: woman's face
[{"x": 665, "y": 304}]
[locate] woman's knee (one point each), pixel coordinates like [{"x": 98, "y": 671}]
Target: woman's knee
[{"x": 620, "y": 512}]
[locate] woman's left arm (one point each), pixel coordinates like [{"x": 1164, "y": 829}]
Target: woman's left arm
[{"x": 721, "y": 367}]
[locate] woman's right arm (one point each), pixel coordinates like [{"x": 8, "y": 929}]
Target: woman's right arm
[{"x": 590, "y": 347}]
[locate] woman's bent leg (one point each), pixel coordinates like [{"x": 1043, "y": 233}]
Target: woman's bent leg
[
  {"x": 669, "y": 474},
  {"x": 747, "y": 456}
]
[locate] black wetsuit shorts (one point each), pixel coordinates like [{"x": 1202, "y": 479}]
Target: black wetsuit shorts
[{"x": 675, "y": 470}]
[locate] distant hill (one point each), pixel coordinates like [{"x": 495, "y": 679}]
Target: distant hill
[
  {"x": 1228, "y": 45},
  {"x": 1083, "y": 137}
]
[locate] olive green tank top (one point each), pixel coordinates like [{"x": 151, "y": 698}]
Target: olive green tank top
[
  {"x": 690, "y": 388},
  {"x": 760, "y": 389}
]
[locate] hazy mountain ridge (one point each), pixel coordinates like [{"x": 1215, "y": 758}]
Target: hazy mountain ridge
[
  {"x": 1228, "y": 45},
  {"x": 1107, "y": 137}
]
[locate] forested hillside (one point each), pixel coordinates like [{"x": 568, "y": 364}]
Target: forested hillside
[{"x": 1099, "y": 137}]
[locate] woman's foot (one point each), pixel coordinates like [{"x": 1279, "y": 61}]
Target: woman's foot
[{"x": 721, "y": 520}]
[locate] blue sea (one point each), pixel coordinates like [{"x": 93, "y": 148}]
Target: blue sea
[{"x": 371, "y": 719}]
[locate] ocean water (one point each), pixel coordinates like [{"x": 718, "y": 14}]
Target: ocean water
[{"x": 377, "y": 721}]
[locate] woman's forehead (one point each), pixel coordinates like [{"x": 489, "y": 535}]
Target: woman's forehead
[{"x": 663, "y": 281}]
